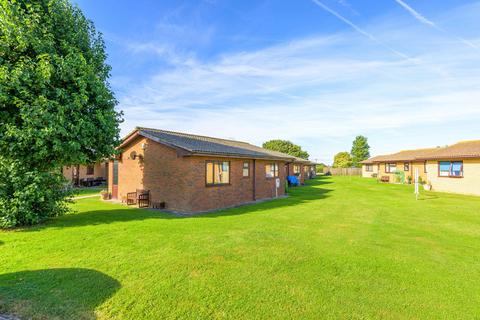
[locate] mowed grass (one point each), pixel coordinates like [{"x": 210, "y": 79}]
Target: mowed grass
[
  {"x": 81, "y": 192},
  {"x": 341, "y": 247}
]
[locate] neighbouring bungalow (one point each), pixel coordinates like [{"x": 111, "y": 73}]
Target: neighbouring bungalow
[
  {"x": 407, "y": 161},
  {"x": 310, "y": 170},
  {"x": 191, "y": 173},
  {"x": 86, "y": 175},
  {"x": 298, "y": 167},
  {"x": 454, "y": 168}
]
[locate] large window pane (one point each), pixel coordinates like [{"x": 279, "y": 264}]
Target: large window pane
[
  {"x": 268, "y": 171},
  {"x": 450, "y": 169},
  {"x": 217, "y": 172},
  {"x": 224, "y": 175},
  {"x": 457, "y": 169},
  {"x": 271, "y": 170},
  {"x": 444, "y": 168},
  {"x": 209, "y": 173},
  {"x": 390, "y": 167}
]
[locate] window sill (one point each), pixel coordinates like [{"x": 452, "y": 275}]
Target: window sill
[
  {"x": 218, "y": 185},
  {"x": 453, "y": 177}
]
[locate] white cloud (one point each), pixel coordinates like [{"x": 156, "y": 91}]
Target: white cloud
[
  {"x": 360, "y": 30},
  {"x": 318, "y": 91}
]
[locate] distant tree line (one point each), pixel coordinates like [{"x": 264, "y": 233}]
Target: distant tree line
[{"x": 287, "y": 147}]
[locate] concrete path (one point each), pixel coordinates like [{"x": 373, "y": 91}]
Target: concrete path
[{"x": 83, "y": 197}]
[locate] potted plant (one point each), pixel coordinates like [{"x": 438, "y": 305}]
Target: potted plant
[
  {"x": 105, "y": 195},
  {"x": 427, "y": 186}
]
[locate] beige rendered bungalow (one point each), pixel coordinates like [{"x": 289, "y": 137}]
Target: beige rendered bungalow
[
  {"x": 79, "y": 175},
  {"x": 454, "y": 168},
  {"x": 191, "y": 173},
  {"x": 384, "y": 167}
]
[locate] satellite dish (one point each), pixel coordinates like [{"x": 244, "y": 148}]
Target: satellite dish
[{"x": 133, "y": 155}]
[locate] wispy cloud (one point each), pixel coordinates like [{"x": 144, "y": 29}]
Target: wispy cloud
[
  {"x": 360, "y": 30},
  {"x": 417, "y": 15},
  {"x": 347, "y": 5},
  {"x": 432, "y": 24},
  {"x": 318, "y": 91}
]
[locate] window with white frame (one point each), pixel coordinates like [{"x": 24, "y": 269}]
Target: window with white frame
[
  {"x": 390, "y": 167},
  {"x": 246, "y": 169},
  {"x": 271, "y": 170},
  {"x": 368, "y": 168}
]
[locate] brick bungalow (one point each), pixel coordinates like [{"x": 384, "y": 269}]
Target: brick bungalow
[
  {"x": 76, "y": 174},
  {"x": 454, "y": 168},
  {"x": 192, "y": 173},
  {"x": 310, "y": 170},
  {"x": 298, "y": 167}
]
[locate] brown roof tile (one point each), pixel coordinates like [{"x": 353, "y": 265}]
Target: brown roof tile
[
  {"x": 404, "y": 155},
  {"x": 463, "y": 149},
  {"x": 203, "y": 145}
]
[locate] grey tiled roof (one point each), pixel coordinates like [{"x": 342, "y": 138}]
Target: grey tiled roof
[{"x": 196, "y": 144}]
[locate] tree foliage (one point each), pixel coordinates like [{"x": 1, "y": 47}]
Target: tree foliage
[
  {"x": 287, "y": 147},
  {"x": 342, "y": 160},
  {"x": 56, "y": 106},
  {"x": 360, "y": 150},
  {"x": 319, "y": 167}
]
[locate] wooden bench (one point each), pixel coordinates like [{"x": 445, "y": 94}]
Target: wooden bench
[
  {"x": 385, "y": 179},
  {"x": 140, "y": 197}
]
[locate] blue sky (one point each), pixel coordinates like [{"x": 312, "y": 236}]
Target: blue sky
[{"x": 404, "y": 73}]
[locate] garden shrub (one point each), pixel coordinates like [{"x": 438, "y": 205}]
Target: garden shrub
[{"x": 400, "y": 176}]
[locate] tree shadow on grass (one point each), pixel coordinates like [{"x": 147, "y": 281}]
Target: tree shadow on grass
[
  {"x": 298, "y": 195},
  {"x": 424, "y": 197},
  {"x": 67, "y": 293},
  {"x": 1, "y": 242}
]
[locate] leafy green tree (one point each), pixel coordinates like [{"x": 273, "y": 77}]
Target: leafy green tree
[
  {"x": 360, "y": 150},
  {"x": 56, "y": 106},
  {"x": 342, "y": 160},
  {"x": 320, "y": 167},
  {"x": 287, "y": 147}
]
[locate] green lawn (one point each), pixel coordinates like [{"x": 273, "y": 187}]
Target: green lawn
[
  {"x": 81, "y": 192},
  {"x": 338, "y": 248}
]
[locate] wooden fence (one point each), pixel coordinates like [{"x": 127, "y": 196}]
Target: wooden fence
[{"x": 343, "y": 171}]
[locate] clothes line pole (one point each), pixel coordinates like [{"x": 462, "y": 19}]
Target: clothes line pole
[{"x": 417, "y": 190}]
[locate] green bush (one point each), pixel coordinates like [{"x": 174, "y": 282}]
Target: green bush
[
  {"x": 29, "y": 196},
  {"x": 400, "y": 176}
]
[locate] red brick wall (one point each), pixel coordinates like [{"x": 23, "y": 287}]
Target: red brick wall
[
  {"x": 265, "y": 187},
  {"x": 130, "y": 171},
  {"x": 180, "y": 181},
  {"x": 203, "y": 198}
]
